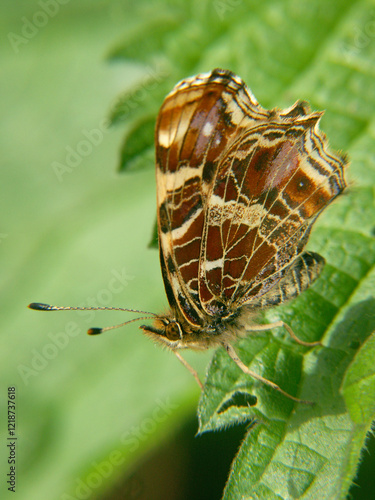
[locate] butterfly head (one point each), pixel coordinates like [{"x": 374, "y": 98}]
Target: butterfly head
[
  {"x": 176, "y": 333},
  {"x": 172, "y": 332},
  {"x": 166, "y": 330}
]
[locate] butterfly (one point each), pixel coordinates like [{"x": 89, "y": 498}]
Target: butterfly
[{"x": 238, "y": 190}]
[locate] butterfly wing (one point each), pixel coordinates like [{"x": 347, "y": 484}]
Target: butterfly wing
[
  {"x": 271, "y": 184},
  {"x": 193, "y": 130},
  {"x": 238, "y": 189}
]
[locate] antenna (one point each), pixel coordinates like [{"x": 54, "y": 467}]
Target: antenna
[{"x": 39, "y": 306}]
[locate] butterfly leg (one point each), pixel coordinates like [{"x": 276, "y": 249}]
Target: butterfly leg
[
  {"x": 281, "y": 324},
  {"x": 232, "y": 353},
  {"x": 190, "y": 368}
]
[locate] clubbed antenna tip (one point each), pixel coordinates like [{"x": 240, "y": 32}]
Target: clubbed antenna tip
[
  {"x": 38, "y": 306},
  {"x": 94, "y": 331}
]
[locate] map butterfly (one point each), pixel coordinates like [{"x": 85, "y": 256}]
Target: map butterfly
[{"x": 238, "y": 190}]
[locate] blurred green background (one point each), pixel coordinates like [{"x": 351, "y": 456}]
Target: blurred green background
[{"x": 96, "y": 411}]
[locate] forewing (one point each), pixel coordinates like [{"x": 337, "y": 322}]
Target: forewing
[{"x": 197, "y": 123}]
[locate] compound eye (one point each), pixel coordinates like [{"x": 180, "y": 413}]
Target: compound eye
[{"x": 173, "y": 331}]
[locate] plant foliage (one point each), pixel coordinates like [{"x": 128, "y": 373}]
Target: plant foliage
[{"x": 323, "y": 52}]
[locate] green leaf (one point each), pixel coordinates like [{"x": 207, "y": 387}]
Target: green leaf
[
  {"x": 142, "y": 99},
  {"x": 138, "y": 146},
  {"x": 154, "y": 242},
  {"x": 147, "y": 40},
  {"x": 360, "y": 379},
  {"x": 295, "y": 450}
]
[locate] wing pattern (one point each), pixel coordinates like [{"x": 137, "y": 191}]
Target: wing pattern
[{"x": 238, "y": 190}]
